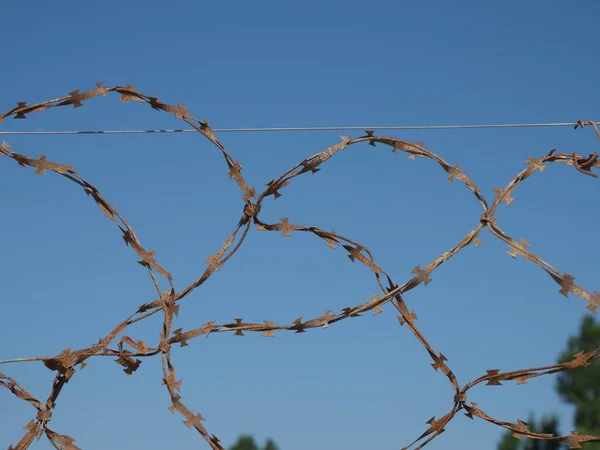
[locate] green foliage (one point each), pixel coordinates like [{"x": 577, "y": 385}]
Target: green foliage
[
  {"x": 270, "y": 445},
  {"x": 246, "y": 442},
  {"x": 580, "y": 387}
]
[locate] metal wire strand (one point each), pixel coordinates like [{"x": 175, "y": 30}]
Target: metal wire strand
[{"x": 288, "y": 129}]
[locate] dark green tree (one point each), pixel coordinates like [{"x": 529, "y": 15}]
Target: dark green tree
[
  {"x": 246, "y": 442},
  {"x": 270, "y": 445},
  {"x": 581, "y": 387}
]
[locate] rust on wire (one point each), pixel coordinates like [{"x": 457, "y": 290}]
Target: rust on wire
[{"x": 129, "y": 352}]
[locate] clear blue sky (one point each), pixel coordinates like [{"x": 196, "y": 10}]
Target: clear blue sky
[{"x": 67, "y": 278}]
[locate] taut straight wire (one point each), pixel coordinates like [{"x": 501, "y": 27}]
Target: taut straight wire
[{"x": 288, "y": 129}]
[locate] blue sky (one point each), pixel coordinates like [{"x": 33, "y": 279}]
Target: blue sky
[{"x": 67, "y": 278}]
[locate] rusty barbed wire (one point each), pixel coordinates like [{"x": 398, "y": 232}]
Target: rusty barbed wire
[{"x": 128, "y": 351}]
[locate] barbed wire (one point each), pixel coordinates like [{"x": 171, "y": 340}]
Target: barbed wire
[
  {"x": 128, "y": 350},
  {"x": 334, "y": 128}
]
